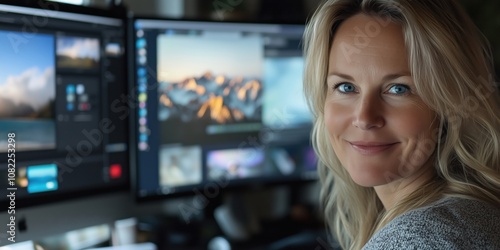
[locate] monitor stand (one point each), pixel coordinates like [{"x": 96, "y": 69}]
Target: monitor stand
[
  {"x": 236, "y": 219},
  {"x": 239, "y": 215}
]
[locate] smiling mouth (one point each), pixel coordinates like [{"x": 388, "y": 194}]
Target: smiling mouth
[{"x": 370, "y": 148}]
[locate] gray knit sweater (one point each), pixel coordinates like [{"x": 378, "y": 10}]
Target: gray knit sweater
[{"x": 451, "y": 223}]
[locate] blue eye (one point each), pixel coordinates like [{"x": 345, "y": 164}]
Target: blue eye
[
  {"x": 345, "y": 87},
  {"x": 399, "y": 89}
]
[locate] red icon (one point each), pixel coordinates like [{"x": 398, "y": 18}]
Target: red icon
[{"x": 115, "y": 171}]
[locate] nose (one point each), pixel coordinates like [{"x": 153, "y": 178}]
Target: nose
[{"x": 368, "y": 113}]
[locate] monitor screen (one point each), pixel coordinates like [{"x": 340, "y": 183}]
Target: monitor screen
[
  {"x": 61, "y": 71},
  {"x": 217, "y": 100}
]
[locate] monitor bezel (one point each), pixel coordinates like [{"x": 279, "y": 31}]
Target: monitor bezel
[
  {"x": 116, "y": 15},
  {"x": 196, "y": 190}
]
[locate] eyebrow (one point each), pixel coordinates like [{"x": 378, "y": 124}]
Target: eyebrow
[{"x": 385, "y": 78}]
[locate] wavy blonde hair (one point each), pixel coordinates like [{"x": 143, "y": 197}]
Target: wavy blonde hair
[{"x": 452, "y": 68}]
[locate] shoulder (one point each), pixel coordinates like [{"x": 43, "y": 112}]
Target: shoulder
[{"x": 452, "y": 223}]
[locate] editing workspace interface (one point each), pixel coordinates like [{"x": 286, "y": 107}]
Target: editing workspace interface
[
  {"x": 61, "y": 71},
  {"x": 218, "y": 102}
]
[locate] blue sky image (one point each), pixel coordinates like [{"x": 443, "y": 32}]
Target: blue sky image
[
  {"x": 20, "y": 53},
  {"x": 283, "y": 77},
  {"x": 78, "y": 47},
  {"x": 27, "y": 75},
  {"x": 184, "y": 56}
]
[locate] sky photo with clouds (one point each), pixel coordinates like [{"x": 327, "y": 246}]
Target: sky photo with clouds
[{"x": 27, "y": 78}]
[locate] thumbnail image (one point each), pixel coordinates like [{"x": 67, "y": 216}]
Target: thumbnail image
[
  {"x": 310, "y": 159},
  {"x": 113, "y": 49},
  {"x": 236, "y": 163},
  {"x": 217, "y": 79},
  {"x": 78, "y": 52},
  {"x": 284, "y": 102},
  {"x": 180, "y": 166},
  {"x": 27, "y": 91},
  {"x": 283, "y": 161},
  {"x": 22, "y": 178},
  {"x": 42, "y": 178}
]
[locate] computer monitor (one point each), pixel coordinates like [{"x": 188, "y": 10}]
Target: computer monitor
[
  {"x": 217, "y": 102},
  {"x": 63, "y": 67}
]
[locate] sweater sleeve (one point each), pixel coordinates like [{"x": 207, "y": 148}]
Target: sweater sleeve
[
  {"x": 412, "y": 232},
  {"x": 450, "y": 225}
]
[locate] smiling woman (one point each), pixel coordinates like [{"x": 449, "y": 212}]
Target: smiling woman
[
  {"x": 374, "y": 117},
  {"x": 407, "y": 124}
]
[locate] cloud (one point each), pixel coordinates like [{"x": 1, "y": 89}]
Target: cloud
[
  {"x": 32, "y": 88},
  {"x": 80, "y": 48},
  {"x": 9, "y": 109}
]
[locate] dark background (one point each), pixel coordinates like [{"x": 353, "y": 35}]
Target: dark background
[{"x": 485, "y": 13}]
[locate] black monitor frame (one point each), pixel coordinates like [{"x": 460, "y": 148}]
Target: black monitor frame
[
  {"x": 38, "y": 17},
  {"x": 294, "y": 139}
]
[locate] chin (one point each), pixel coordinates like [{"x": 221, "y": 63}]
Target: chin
[
  {"x": 367, "y": 184},
  {"x": 370, "y": 180}
]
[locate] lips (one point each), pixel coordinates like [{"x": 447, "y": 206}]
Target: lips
[{"x": 371, "y": 147}]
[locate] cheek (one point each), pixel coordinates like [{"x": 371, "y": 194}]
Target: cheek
[
  {"x": 329, "y": 121},
  {"x": 414, "y": 124},
  {"x": 336, "y": 118},
  {"x": 337, "y": 124},
  {"x": 419, "y": 133}
]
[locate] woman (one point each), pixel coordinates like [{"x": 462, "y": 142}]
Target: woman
[{"x": 407, "y": 125}]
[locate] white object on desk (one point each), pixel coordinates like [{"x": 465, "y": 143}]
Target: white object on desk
[
  {"x": 26, "y": 245},
  {"x": 125, "y": 232},
  {"x": 139, "y": 246}
]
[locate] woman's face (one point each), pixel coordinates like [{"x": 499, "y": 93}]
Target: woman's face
[{"x": 379, "y": 127}]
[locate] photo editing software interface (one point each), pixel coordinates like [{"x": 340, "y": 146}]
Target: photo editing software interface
[
  {"x": 60, "y": 72},
  {"x": 218, "y": 102}
]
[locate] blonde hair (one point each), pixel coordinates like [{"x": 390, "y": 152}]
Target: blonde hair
[{"x": 452, "y": 69}]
